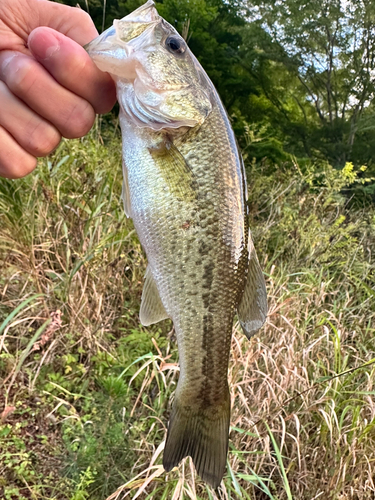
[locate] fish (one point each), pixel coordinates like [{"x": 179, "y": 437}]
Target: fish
[{"x": 185, "y": 189}]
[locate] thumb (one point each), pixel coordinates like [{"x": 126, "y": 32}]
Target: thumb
[
  {"x": 70, "y": 21},
  {"x": 23, "y": 16}
]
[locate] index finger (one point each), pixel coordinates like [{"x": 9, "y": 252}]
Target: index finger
[{"x": 72, "y": 68}]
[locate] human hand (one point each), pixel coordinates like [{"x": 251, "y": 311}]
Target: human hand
[{"x": 49, "y": 86}]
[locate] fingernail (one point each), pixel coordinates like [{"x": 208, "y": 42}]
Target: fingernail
[
  {"x": 6, "y": 60},
  {"x": 43, "y": 43}
]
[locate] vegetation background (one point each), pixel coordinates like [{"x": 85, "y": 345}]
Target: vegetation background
[{"x": 85, "y": 390}]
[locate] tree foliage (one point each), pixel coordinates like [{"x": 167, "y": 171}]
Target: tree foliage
[
  {"x": 328, "y": 47},
  {"x": 296, "y": 76}
]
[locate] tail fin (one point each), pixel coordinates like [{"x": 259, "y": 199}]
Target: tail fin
[{"x": 202, "y": 435}]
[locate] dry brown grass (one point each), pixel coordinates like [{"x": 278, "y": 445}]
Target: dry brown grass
[{"x": 302, "y": 389}]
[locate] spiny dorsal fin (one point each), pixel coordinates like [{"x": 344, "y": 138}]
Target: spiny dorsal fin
[
  {"x": 152, "y": 309},
  {"x": 253, "y": 308}
]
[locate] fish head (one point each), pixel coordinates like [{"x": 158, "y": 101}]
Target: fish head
[{"x": 160, "y": 83}]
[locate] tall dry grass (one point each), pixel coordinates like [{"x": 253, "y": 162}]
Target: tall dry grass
[{"x": 100, "y": 385}]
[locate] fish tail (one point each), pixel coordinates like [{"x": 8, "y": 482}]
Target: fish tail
[{"x": 201, "y": 434}]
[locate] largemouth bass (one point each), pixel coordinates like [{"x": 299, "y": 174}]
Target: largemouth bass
[{"x": 185, "y": 189}]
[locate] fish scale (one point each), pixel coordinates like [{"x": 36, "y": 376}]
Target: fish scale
[{"x": 185, "y": 189}]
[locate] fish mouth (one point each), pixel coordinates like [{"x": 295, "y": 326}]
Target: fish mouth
[
  {"x": 112, "y": 50},
  {"x": 146, "y": 13}
]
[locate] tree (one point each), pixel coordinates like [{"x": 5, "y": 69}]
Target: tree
[
  {"x": 329, "y": 46},
  {"x": 298, "y": 71}
]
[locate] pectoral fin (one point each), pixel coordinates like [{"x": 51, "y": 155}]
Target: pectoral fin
[
  {"x": 152, "y": 310},
  {"x": 252, "y": 311},
  {"x": 175, "y": 170},
  {"x": 125, "y": 195}
]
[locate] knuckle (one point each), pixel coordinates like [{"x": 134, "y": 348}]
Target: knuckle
[
  {"x": 18, "y": 168},
  {"x": 43, "y": 139},
  {"x": 77, "y": 66},
  {"x": 15, "y": 161},
  {"x": 105, "y": 98},
  {"x": 83, "y": 17},
  {"x": 78, "y": 121},
  {"x": 27, "y": 167}
]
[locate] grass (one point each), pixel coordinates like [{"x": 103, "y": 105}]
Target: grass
[{"x": 87, "y": 389}]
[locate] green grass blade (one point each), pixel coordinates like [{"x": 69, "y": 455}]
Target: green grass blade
[
  {"x": 281, "y": 464},
  {"x": 14, "y": 313}
]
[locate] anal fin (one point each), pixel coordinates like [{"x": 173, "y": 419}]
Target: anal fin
[
  {"x": 152, "y": 309},
  {"x": 253, "y": 308}
]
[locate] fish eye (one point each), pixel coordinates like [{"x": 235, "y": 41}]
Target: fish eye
[{"x": 175, "y": 45}]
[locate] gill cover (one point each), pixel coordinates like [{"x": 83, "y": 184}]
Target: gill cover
[{"x": 160, "y": 84}]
